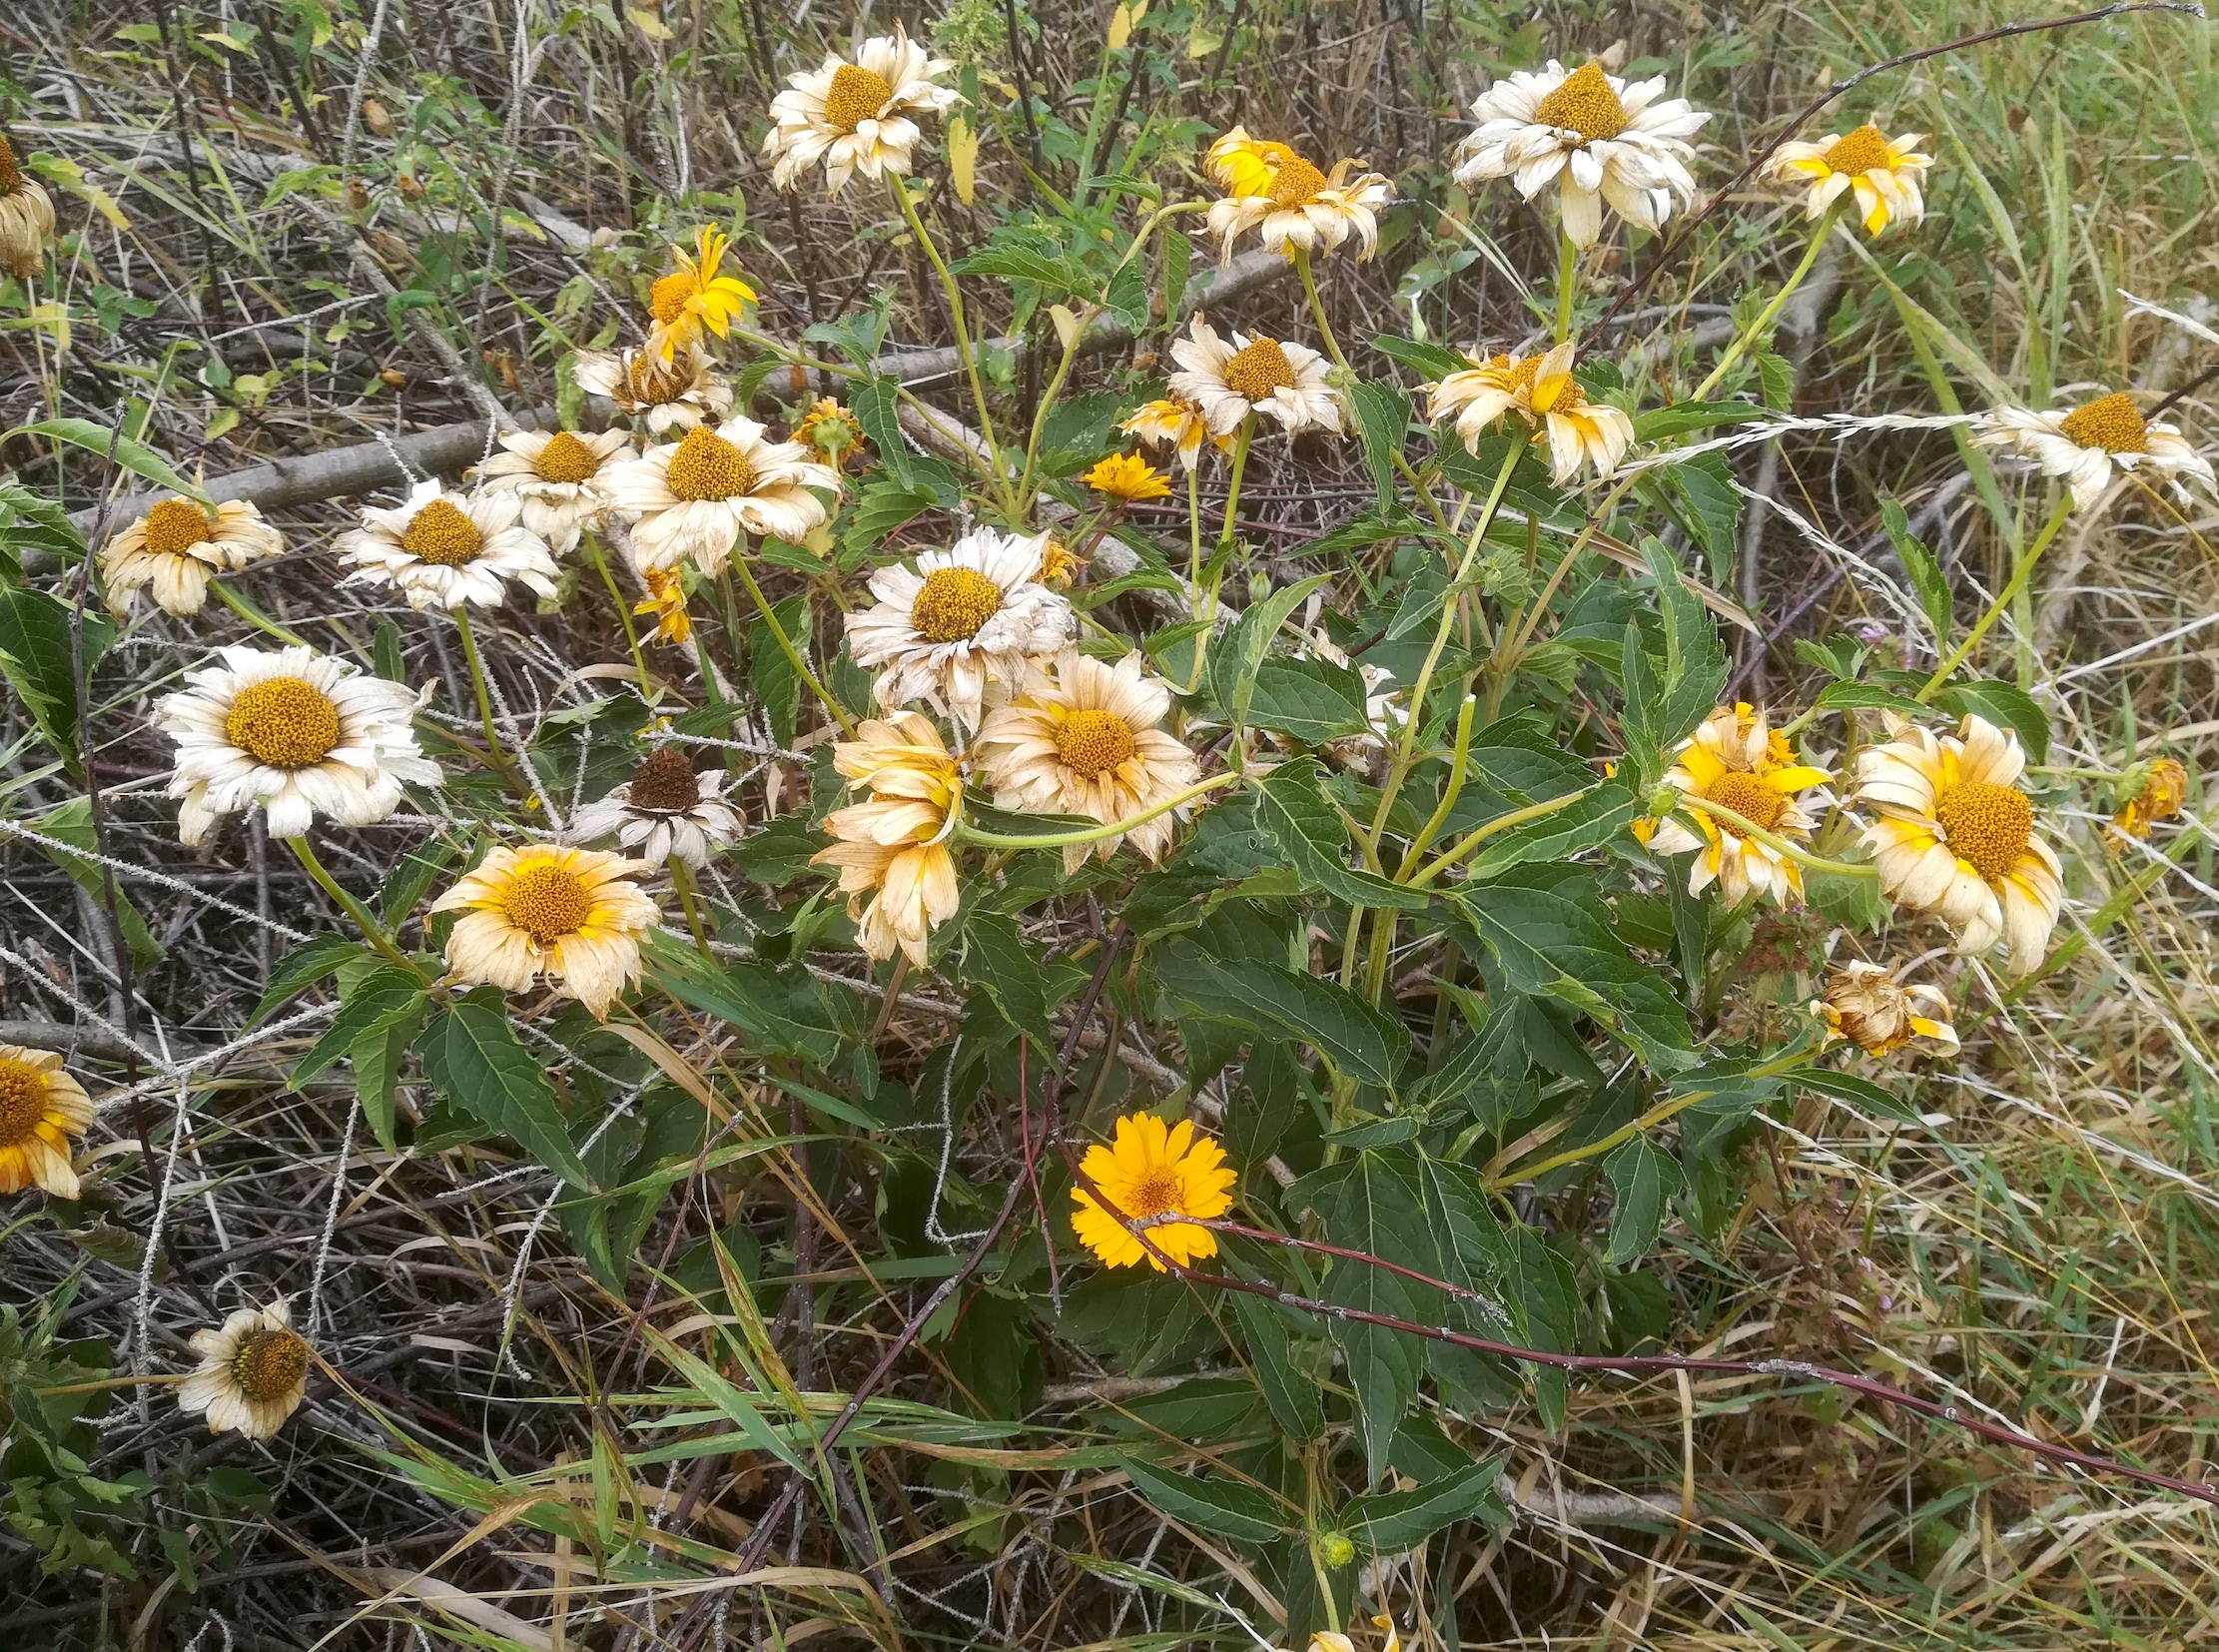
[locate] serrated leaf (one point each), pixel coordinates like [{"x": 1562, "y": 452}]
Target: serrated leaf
[
  {"x": 997, "y": 960},
  {"x": 477, "y": 1061},
  {"x": 2003, "y": 703},
  {"x": 1234, "y": 661},
  {"x": 1383, "y": 419},
  {"x": 1683, "y": 416},
  {"x": 777, "y": 684},
  {"x": 73, "y": 823},
  {"x": 1310, "y": 700},
  {"x": 303, "y": 967},
  {"x": 875, "y": 402},
  {"x": 1596, "y": 818},
  {"x": 884, "y": 505},
  {"x": 1179, "y": 258},
  {"x": 1775, "y": 378},
  {"x": 1365, "y": 1044},
  {"x": 377, "y": 1058},
  {"x": 1704, "y": 485},
  {"x": 1211, "y": 1503},
  {"x": 36, "y": 658},
  {"x": 1016, "y": 260},
  {"x": 370, "y": 1002},
  {"x": 1643, "y": 1180},
  {"x": 1392, "y": 1522},
  {"x": 859, "y": 334},
  {"x": 1295, "y": 815},
  {"x": 1862, "y": 1094},
  {"x": 1293, "y": 1398},
  {"x": 1435, "y": 361},
  {"x": 1865, "y": 696},
  {"x": 1923, "y": 570}
]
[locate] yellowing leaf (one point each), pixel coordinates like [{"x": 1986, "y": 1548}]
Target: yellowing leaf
[
  {"x": 67, "y": 174},
  {"x": 1067, "y": 324},
  {"x": 648, "y": 24},
  {"x": 963, "y": 157},
  {"x": 1201, "y": 42},
  {"x": 226, "y": 420},
  {"x": 52, "y": 318},
  {"x": 1121, "y": 27}
]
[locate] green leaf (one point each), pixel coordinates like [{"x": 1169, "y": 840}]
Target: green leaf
[
  {"x": 370, "y": 1002},
  {"x": 1220, "y": 1508},
  {"x": 876, "y": 403},
  {"x": 135, "y": 456},
  {"x": 776, "y": 682},
  {"x": 1775, "y": 377},
  {"x": 1924, "y": 569},
  {"x": 1391, "y": 1522},
  {"x": 1178, "y": 256},
  {"x": 1310, "y": 700},
  {"x": 477, "y": 1061},
  {"x": 859, "y": 334},
  {"x": 1383, "y": 419},
  {"x": 1126, "y": 299},
  {"x": 1365, "y": 1044},
  {"x": 1294, "y": 814},
  {"x": 73, "y": 823},
  {"x": 1683, "y": 416},
  {"x": 32, "y": 521},
  {"x": 1704, "y": 485},
  {"x": 303, "y": 966},
  {"x": 1695, "y": 660},
  {"x": 2003, "y": 703},
  {"x": 1016, "y": 260},
  {"x": 1433, "y": 361},
  {"x": 1598, "y": 817},
  {"x": 883, "y": 504},
  {"x": 1234, "y": 661},
  {"x": 1268, "y": 1352},
  {"x": 1862, "y": 1094},
  {"x": 998, "y": 962},
  {"x": 35, "y": 656},
  {"x": 377, "y": 1057},
  {"x": 1642, "y": 1179},
  {"x": 1865, "y": 696},
  {"x": 406, "y": 885}
]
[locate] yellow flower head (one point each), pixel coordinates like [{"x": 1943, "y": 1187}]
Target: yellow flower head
[
  {"x": 1151, "y": 1173},
  {"x": 1180, "y": 422},
  {"x": 572, "y": 915},
  {"x": 832, "y": 430},
  {"x": 1060, "y": 566},
  {"x": 2160, "y": 796},
  {"x": 1541, "y": 390},
  {"x": 1128, "y": 477},
  {"x": 1738, "y": 761},
  {"x": 666, "y": 601},
  {"x": 41, "y": 1107},
  {"x": 1287, "y": 201},
  {"x": 1886, "y": 173},
  {"x": 693, "y": 297},
  {"x": 1866, "y": 1005},
  {"x": 893, "y": 847}
]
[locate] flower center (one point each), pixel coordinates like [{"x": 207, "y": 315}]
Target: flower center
[
  {"x": 175, "y": 526},
  {"x": 1155, "y": 1193},
  {"x": 666, "y": 300},
  {"x": 649, "y": 383},
  {"x": 1259, "y": 369},
  {"x": 854, "y": 96},
  {"x": 1297, "y": 182},
  {"x": 442, "y": 534},
  {"x": 954, "y": 605},
  {"x": 270, "y": 1365},
  {"x": 282, "y": 722},
  {"x": 706, "y": 467},
  {"x": 11, "y": 180},
  {"x": 565, "y": 459},
  {"x": 1584, "y": 104},
  {"x": 1093, "y": 742},
  {"x": 1988, "y": 825},
  {"x": 22, "y": 1100},
  {"x": 1865, "y": 149},
  {"x": 2112, "y": 422},
  {"x": 548, "y": 901},
  {"x": 1748, "y": 797},
  {"x": 665, "y": 783}
]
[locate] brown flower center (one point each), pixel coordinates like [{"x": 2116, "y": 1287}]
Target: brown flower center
[
  {"x": 1254, "y": 373},
  {"x": 1295, "y": 183},
  {"x": 442, "y": 533},
  {"x": 22, "y": 1099},
  {"x": 706, "y": 467},
  {"x": 1748, "y": 797},
  {"x": 11, "y": 179},
  {"x": 665, "y": 783},
  {"x": 1988, "y": 825},
  {"x": 648, "y": 384},
  {"x": 270, "y": 1365},
  {"x": 1584, "y": 104},
  {"x": 548, "y": 900},
  {"x": 1865, "y": 149},
  {"x": 1156, "y": 1194},
  {"x": 954, "y": 605},
  {"x": 175, "y": 526},
  {"x": 1093, "y": 742},
  {"x": 666, "y": 300},
  {"x": 565, "y": 459},
  {"x": 282, "y": 722},
  {"x": 2112, "y": 422},
  {"x": 854, "y": 96}
]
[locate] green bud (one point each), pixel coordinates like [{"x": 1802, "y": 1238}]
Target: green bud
[{"x": 1334, "y": 1550}]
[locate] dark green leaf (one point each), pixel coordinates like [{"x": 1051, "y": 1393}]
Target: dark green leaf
[
  {"x": 1643, "y": 1180},
  {"x": 997, "y": 960},
  {"x": 377, "y": 1057},
  {"x": 2006, "y": 704},
  {"x": 1178, "y": 254},
  {"x": 1433, "y": 361},
  {"x": 73, "y": 823},
  {"x": 1382, "y": 419},
  {"x": 1596, "y": 818},
  {"x": 1862, "y": 1094},
  {"x": 1268, "y": 1353},
  {"x": 1364, "y": 1043},
  {"x": 135, "y": 456},
  {"x": 1390, "y": 1522},
  {"x": 303, "y": 966},
  {"x": 1295, "y": 815},
  {"x": 1310, "y": 700},
  {"x": 1683, "y": 416},
  {"x": 477, "y": 1061},
  {"x": 773, "y": 674},
  {"x": 1922, "y": 567},
  {"x": 1218, "y": 1506},
  {"x": 1234, "y": 661},
  {"x": 370, "y": 1002},
  {"x": 857, "y": 335},
  {"x": 883, "y": 504},
  {"x": 35, "y": 656}
]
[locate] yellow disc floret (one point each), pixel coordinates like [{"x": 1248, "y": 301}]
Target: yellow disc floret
[
  {"x": 2112, "y": 422},
  {"x": 1155, "y": 1192},
  {"x": 1748, "y": 797},
  {"x": 1584, "y": 104},
  {"x": 1988, "y": 825},
  {"x": 667, "y": 299},
  {"x": 1297, "y": 182},
  {"x": 954, "y": 605},
  {"x": 854, "y": 96},
  {"x": 1093, "y": 742},
  {"x": 175, "y": 526},
  {"x": 1254, "y": 373},
  {"x": 442, "y": 533},
  {"x": 270, "y": 1365},
  {"x": 706, "y": 467},
  {"x": 1865, "y": 149},
  {"x": 11, "y": 179},
  {"x": 22, "y": 1100},
  {"x": 565, "y": 459},
  {"x": 547, "y": 902},
  {"x": 282, "y": 722}
]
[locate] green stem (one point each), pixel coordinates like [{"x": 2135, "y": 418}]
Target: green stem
[
  {"x": 600, "y": 563},
  {"x": 1047, "y": 401},
  {"x": 373, "y": 931},
  {"x": 1763, "y": 324},
  {"x": 255, "y": 616},
  {"x": 2003, "y": 599},
  {"x": 1301, "y": 258},
  {"x": 681, "y": 879},
  {"x": 1465, "y": 847},
  {"x": 493, "y": 747},
  {"x": 1773, "y": 841},
  {"x": 786, "y": 643},
  {"x": 1566, "y": 284},
  {"x": 1094, "y": 834},
  {"x": 1232, "y": 488},
  {"x": 964, "y": 351}
]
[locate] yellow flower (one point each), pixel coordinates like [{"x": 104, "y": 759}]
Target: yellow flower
[
  {"x": 857, "y": 117},
  {"x": 666, "y": 601},
  {"x": 1886, "y": 174},
  {"x": 572, "y": 915},
  {"x": 1178, "y": 421},
  {"x": 1541, "y": 390},
  {"x": 694, "y": 299},
  {"x": 832, "y": 430},
  {"x": 1287, "y": 201},
  {"x": 894, "y": 846},
  {"x": 1059, "y": 566},
  {"x": 1955, "y": 836},
  {"x": 1331, "y": 1640},
  {"x": 252, "y": 1374},
  {"x": 1865, "y": 1004},
  {"x": 1737, "y": 760},
  {"x": 41, "y": 1107},
  {"x": 1149, "y": 1174},
  {"x": 178, "y": 547},
  {"x": 26, "y": 219},
  {"x": 2160, "y": 796},
  {"x": 1127, "y": 477},
  {"x": 2090, "y": 444}
]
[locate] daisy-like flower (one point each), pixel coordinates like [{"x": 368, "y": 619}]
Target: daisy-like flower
[
  {"x": 1290, "y": 203},
  {"x": 1180, "y": 423},
  {"x": 1866, "y": 1005},
  {"x": 26, "y": 219},
  {"x": 1886, "y": 172},
  {"x": 855, "y": 117},
  {"x": 1148, "y": 1172},
  {"x": 1955, "y": 836},
  {"x": 1253, "y": 373},
  {"x": 1739, "y": 761},
  {"x": 441, "y": 549},
  {"x": 41, "y": 1107},
  {"x": 556, "y": 476},
  {"x": 1594, "y": 136},
  {"x": 893, "y": 847},
  {"x": 1332, "y": 1640},
  {"x": 298, "y": 733},
  {"x": 835, "y": 432},
  {"x": 695, "y": 498},
  {"x": 694, "y": 299},
  {"x": 666, "y": 601},
  {"x": 1541, "y": 390},
  {"x": 2087, "y": 445},
  {"x": 1127, "y": 477},
  {"x": 2160, "y": 795},
  {"x": 667, "y": 811},
  {"x": 572, "y": 915},
  {"x": 1083, "y": 740},
  {"x": 679, "y": 394},
  {"x": 252, "y": 1374},
  {"x": 177, "y": 546},
  {"x": 975, "y": 610},
  {"x": 1059, "y": 566}
]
